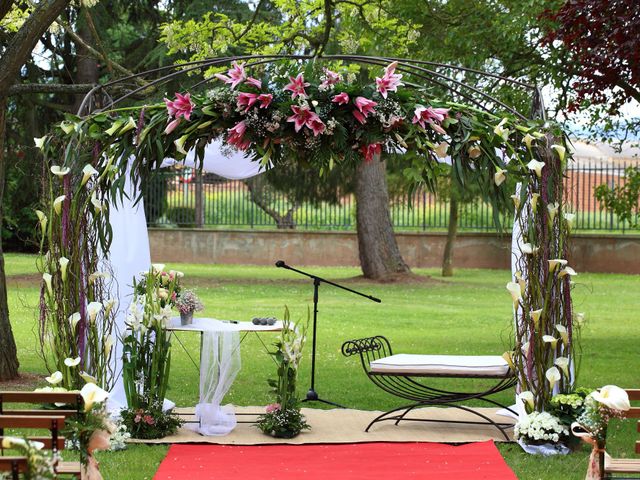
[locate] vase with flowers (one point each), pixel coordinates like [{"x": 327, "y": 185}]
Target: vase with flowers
[
  {"x": 283, "y": 418},
  {"x": 187, "y": 303}
]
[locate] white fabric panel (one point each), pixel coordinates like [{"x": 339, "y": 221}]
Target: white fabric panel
[
  {"x": 441, "y": 364},
  {"x": 129, "y": 255},
  {"x": 224, "y": 161}
]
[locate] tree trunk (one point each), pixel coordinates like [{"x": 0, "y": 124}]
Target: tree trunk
[
  {"x": 87, "y": 66},
  {"x": 447, "y": 260},
  {"x": 8, "y": 355},
  {"x": 380, "y": 257},
  {"x": 260, "y": 195}
]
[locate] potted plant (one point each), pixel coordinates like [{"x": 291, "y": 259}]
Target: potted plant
[
  {"x": 283, "y": 418},
  {"x": 187, "y": 303}
]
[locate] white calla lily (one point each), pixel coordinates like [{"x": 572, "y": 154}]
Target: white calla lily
[
  {"x": 64, "y": 263},
  {"x": 516, "y": 200},
  {"x": 500, "y": 176},
  {"x": 179, "y": 143},
  {"x": 563, "y": 364},
  {"x": 55, "y": 378},
  {"x": 551, "y": 340},
  {"x": 43, "y": 220},
  {"x": 59, "y": 171},
  {"x": 91, "y": 393},
  {"x": 72, "y": 362},
  {"x": 555, "y": 263},
  {"x": 108, "y": 345},
  {"x": 526, "y": 349},
  {"x": 67, "y": 127},
  {"x": 553, "y": 376},
  {"x": 527, "y": 399},
  {"x": 110, "y": 305},
  {"x": 500, "y": 131},
  {"x": 553, "y": 211},
  {"x": 528, "y": 138},
  {"x": 88, "y": 378},
  {"x": 73, "y": 320},
  {"x": 87, "y": 172},
  {"x": 130, "y": 125},
  {"x": 529, "y": 249},
  {"x": 570, "y": 218},
  {"x": 521, "y": 282},
  {"x": 567, "y": 271},
  {"x": 536, "y": 166},
  {"x": 47, "y": 280},
  {"x": 516, "y": 294},
  {"x": 508, "y": 357},
  {"x": 93, "y": 309},
  {"x": 57, "y": 203},
  {"x": 39, "y": 142},
  {"x": 612, "y": 397},
  {"x": 578, "y": 317},
  {"x": 97, "y": 203},
  {"x": 535, "y": 316},
  {"x": 441, "y": 150},
  {"x": 562, "y": 330},
  {"x": 534, "y": 201},
  {"x": 474, "y": 151},
  {"x": 114, "y": 128},
  {"x": 560, "y": 150}
]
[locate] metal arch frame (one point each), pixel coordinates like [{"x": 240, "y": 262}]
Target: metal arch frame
[
  {"x": 426, "y": 71},
  {"x": 410, "y": 387}
]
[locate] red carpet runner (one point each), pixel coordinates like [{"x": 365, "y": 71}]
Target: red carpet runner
[{"x": 388, "y": 461}]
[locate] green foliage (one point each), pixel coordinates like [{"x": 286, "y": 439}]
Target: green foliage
[
  {"x": 150, "y": 422},
  {"x": 624, "y": 198}
]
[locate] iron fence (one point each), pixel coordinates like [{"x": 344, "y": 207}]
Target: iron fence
[{"x": 184, "y": 199}]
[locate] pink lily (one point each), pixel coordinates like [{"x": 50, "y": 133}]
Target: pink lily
[
  {"x": 236, "y": 75},
  {"x": 182, "y": 106},
  {"x": 296, "y": 86},
  {"x": 364, "y": 108},
  {"x": 246, "y": 100},
  {"x": 303, "y": 116},
  {"x": 341, "y": 98},
  {"x": 254, "y": 81},
  {"x": 371, "y": 151},
  {"x": 424, "y": 115},
  {"x": 236, "y": 136},
  {"x": 265, "y": 99},
  {"x": 390, "y": 81},
  {"x": 330, "y": 78},
  {"x": 171, "y": 126}
]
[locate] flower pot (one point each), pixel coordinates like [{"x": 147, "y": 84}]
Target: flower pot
[{"x": 186, "y": 318}]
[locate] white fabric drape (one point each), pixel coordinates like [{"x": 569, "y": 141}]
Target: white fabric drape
[
  {"x": 130, "y": 254},
  {"x": 219, "y": 365}
]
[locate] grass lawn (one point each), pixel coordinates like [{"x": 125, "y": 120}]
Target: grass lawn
[{"x": 469, "y": 313}]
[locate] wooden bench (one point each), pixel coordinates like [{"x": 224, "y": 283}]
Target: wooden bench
[
  {"x": 613, "y": 467},
  {"x": 404, "y": 376},
  {"x": 40, "y": 419}
]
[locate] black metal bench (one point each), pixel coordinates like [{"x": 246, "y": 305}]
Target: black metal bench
[{"x": 411, "y": 385}]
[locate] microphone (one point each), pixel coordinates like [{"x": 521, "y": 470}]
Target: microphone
[{"x": 281, "y": 264}]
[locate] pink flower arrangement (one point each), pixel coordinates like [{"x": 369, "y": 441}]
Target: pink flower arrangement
[
  {"x": 180, "y": 108},
  {"x": 371, "y": 151},
  {"x": 431, "y": 116},
  {"x": 265, "y": 99},
  {"x": 297, "y": 87},
  {"x": 236, "y": 138},
  {"x": 330, "y": 78},
  {"x": 364, "y": 108},
  {"x": 341, "y": 98},
  {"x": 235, "y": 75},
  {"x": 246, "y": 100},
  {"x": 303, "y": 116},
  {"x": 254, "y": 82},
  {"x": 274, "y": 407},
  {"x": 390, "y": 81}
]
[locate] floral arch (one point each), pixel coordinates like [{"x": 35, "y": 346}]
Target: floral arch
[{"x": 325, "y": 111}]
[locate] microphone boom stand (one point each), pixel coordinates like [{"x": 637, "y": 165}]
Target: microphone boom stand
[{"x": 312, "y": 395}]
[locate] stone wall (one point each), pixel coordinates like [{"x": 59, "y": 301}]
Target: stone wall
[{"x": 590, "y": 253}]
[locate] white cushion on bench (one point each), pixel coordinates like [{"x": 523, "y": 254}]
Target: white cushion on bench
[{"x": 404, "y": 363}]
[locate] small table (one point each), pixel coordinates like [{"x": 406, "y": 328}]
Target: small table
[{"x": 205, "y": 324}]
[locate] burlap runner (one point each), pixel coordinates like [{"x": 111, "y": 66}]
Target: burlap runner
[{"x": 347, "y": 426}]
